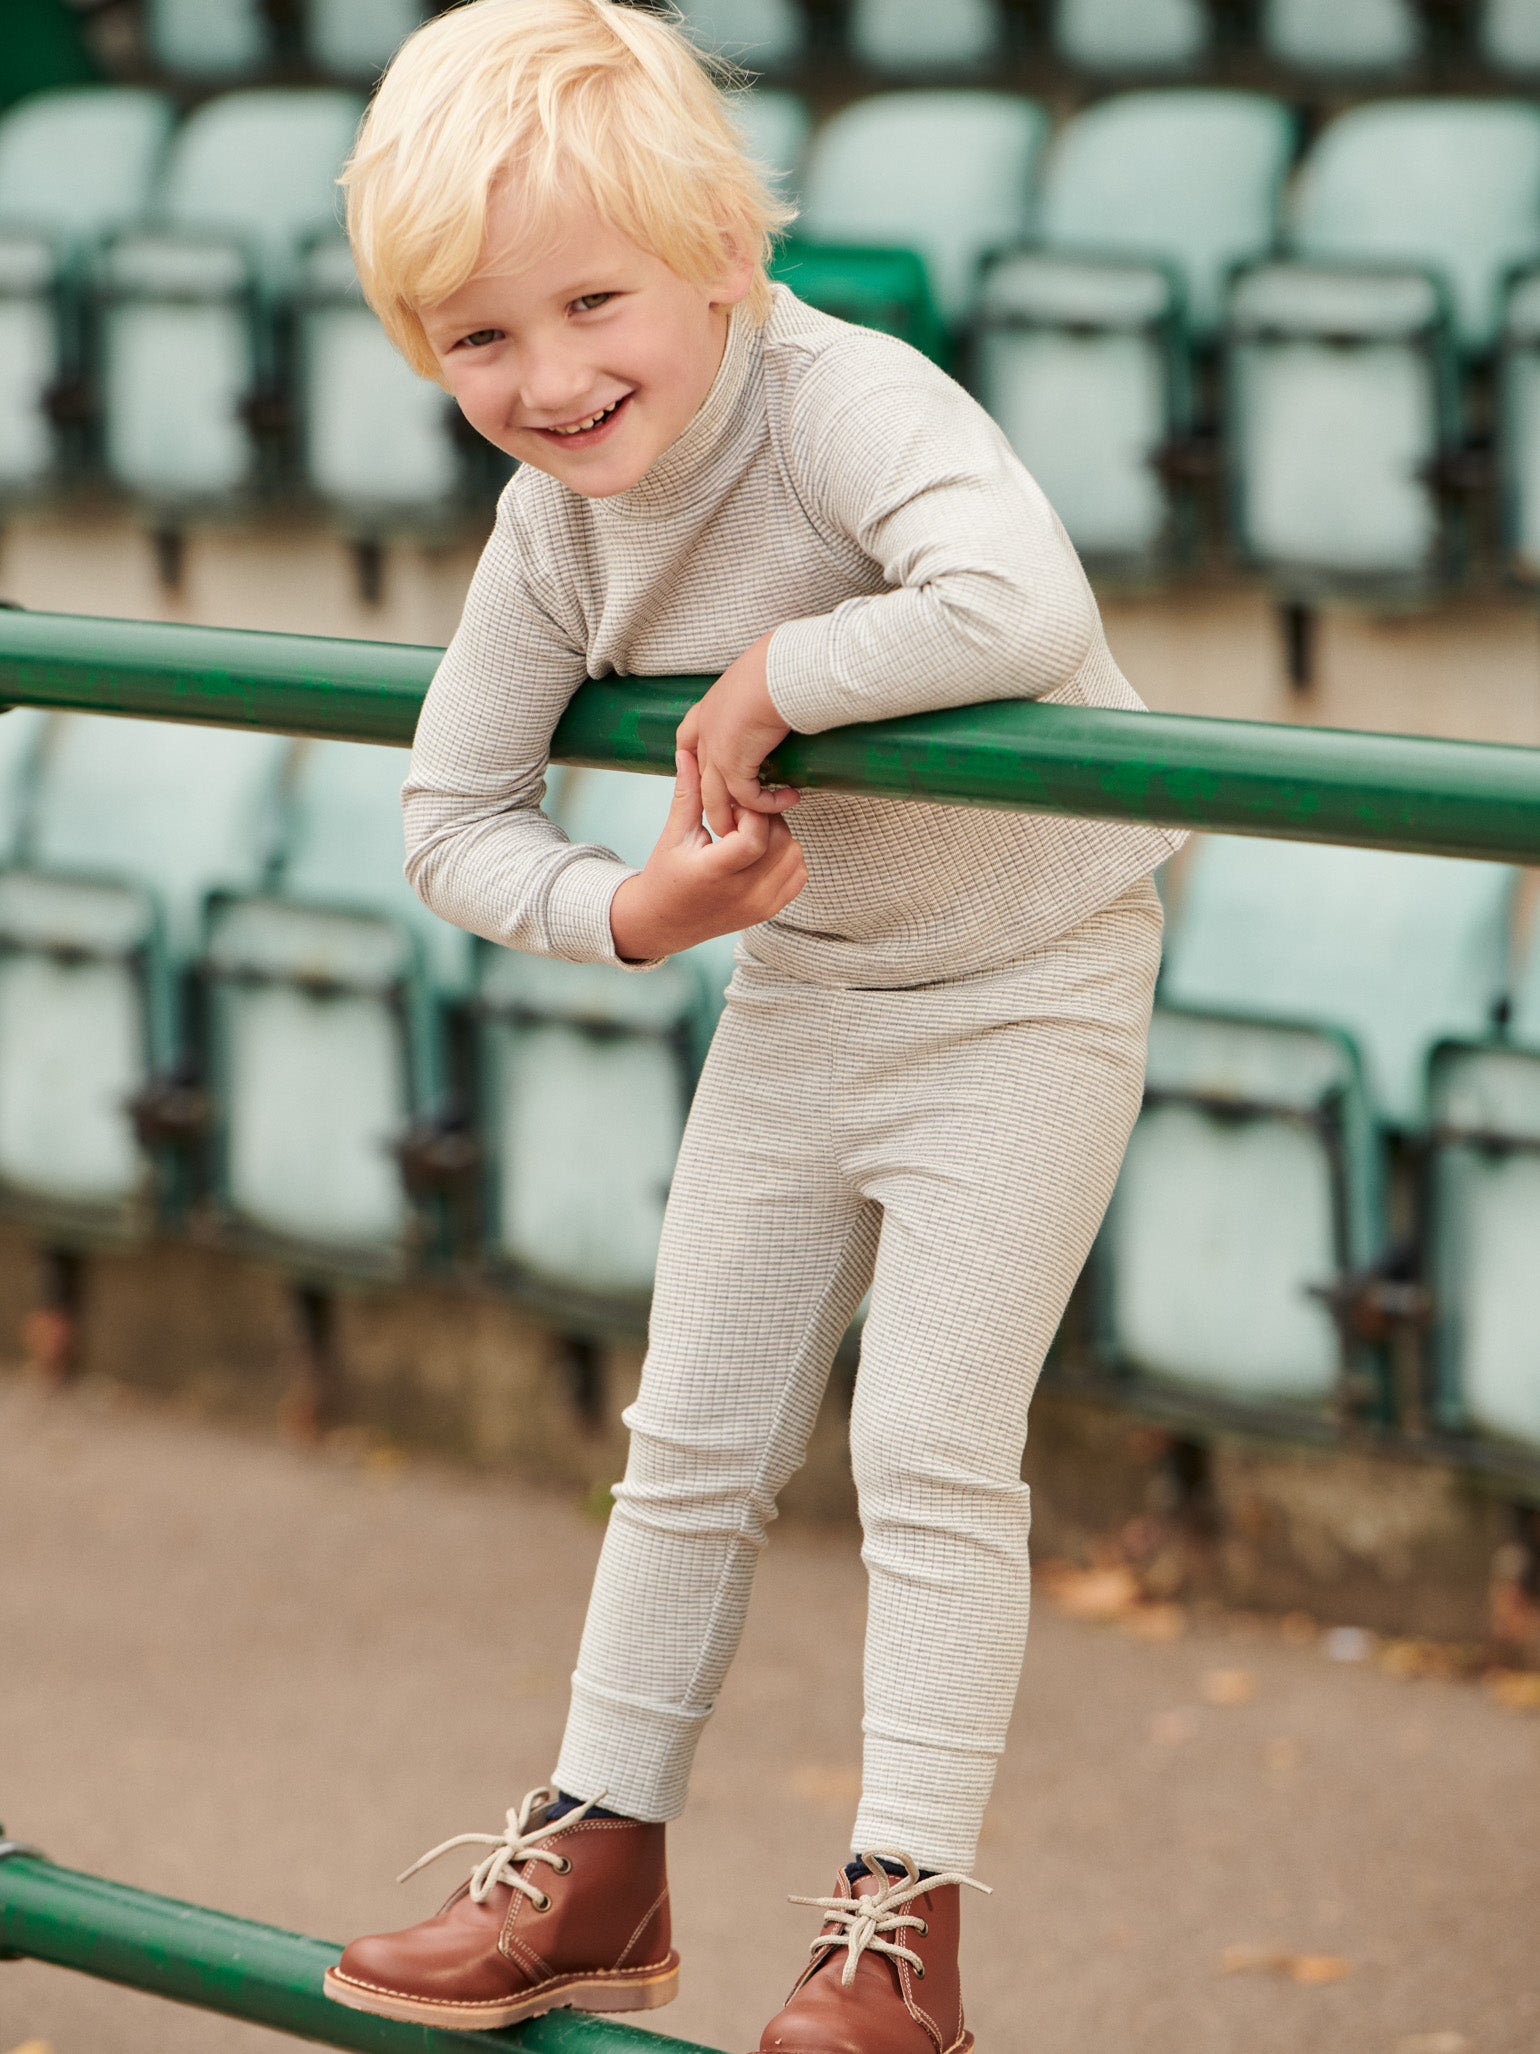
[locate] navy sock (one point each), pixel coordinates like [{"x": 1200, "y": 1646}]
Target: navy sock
[
  {"x": 854, "y": 1870},
  {"x": 565, "y": 1804}
]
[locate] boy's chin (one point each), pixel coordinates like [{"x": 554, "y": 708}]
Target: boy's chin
[{"x": 592, "y": 480}]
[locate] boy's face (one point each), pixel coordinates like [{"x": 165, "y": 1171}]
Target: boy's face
[{"x": 587, "y": 363}]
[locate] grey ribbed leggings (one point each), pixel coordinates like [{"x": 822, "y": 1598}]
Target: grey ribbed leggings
[{"x": 954, "y": 1147}]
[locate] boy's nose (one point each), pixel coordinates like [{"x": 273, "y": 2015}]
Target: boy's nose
[{"x": 551, "y": 392}]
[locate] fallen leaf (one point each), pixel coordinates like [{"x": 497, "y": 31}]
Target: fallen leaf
[
  {"x": 1096, "y": 1594},
  {"x": 1156, "y": 1622},
  {"x": 1309, "y": 1969},
  {"x": 823, "y": 1783},
  {"x": 1516, "y": 1690},
  {"x": 1228, "y": 1687},
  {"x": 1410, "y": 1659},
  {"x": 1282, "y": 1754},
  {"x": 33, "y": 2047}
]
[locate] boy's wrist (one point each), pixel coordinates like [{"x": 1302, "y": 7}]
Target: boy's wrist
[{"x": 636, "y": 929}]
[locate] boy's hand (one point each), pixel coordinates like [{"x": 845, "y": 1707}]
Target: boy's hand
[
  {"x": 730, "y": 732},
  {"x": 693, "y": 887}
]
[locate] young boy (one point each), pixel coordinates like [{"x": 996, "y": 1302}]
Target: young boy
[{"x": 933, "y": 1047}]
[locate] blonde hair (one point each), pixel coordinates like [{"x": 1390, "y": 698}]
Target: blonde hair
[{"x": 584, "y": 99}]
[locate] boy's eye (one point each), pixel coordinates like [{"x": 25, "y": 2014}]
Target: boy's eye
[
  {"x": 479, "y": 338},
  {"x": 590, "y": 300}
]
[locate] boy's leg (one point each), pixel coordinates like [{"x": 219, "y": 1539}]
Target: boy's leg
[
  {"x": 993, "y": 1148},
  {"x": 765, "y": 1254}
]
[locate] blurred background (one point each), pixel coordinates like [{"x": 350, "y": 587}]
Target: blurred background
[{"x": 1253, "y": 287}]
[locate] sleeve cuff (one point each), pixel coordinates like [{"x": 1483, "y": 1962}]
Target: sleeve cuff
[
  {"x": 799, "y": 670},
  {"x": 581, "y": 927}
]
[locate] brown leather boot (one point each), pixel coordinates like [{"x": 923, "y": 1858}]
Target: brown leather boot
[
  {"x": 572, "y": 1911},
  {"x": 884, "y": 1978}
]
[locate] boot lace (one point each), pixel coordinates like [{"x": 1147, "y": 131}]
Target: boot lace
[
  {"x": 866, "y": 1921},
  {"x": 515, "y": 1844}
]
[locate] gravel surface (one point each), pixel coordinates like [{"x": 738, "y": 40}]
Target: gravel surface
[{"x": 266, "y": 1679}]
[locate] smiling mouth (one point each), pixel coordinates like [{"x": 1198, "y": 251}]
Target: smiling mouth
[{"x": 587, "y": 430}]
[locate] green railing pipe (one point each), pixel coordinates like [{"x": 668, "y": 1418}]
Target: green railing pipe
[
  {"x": 1303, "y": 783},
  {"x": 244, "y": 1970}
]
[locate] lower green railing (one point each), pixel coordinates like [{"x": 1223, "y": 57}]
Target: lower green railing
[
  {"x": 1316, "y": 784},
  {"x": 244, "y": 1970}
]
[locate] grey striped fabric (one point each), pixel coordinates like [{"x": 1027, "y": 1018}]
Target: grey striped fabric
[{"x": 839, "y": 488}]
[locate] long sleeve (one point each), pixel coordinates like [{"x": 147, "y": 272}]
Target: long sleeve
[
  {"x": 479, "y": 851},
  {"x": 988, "y": 598}
]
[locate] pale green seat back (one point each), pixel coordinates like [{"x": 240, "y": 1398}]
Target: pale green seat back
[
  {"x": 916, "y": 36},
  {"x": 761, "y": 35},
  {"x": 328, "y": 999},
  {"x": 1398, "y": 951},
  {"x": 1191, "y": 177},
  {"x": 209, "y": 39},
  {"x": 776, "y": 126},
  {"x": 1447, "y": 186},
  {"x": 1507, "y": 34},
  {"x": 351, "y": 381},
  {"x": 186, "y": 321},
  {"x": 1360, "y": 37},
  {"x": 1485, "y": 1228},
  {"x": 586, "y": 1074},
  {"x": 74, "y": 164},
  {"x": 948, "y": 174},
  {"x": 1132, "y": 36},
  {"x": 1253, "y": 1180},
  {"x": 1342, "y": 393},
  {"x": 81, "y": 161},
  {"x": 131, "y": 826},
  {"x": 1083, "y": 365},
  {"x": 357, "y": 38}
]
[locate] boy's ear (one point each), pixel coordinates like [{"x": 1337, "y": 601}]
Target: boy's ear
[{"x": 742, "y": 261}]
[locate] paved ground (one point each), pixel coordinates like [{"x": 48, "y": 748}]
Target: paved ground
[{"x": 266, "y": 1680}]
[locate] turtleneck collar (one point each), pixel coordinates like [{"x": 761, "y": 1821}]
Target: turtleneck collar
[{"x": 720, "y": 438}]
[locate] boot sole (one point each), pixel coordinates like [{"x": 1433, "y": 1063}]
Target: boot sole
[{"x": 610, "y": 1990}]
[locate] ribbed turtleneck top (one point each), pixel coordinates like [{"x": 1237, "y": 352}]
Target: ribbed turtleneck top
[{"x": 837, "y": 487}]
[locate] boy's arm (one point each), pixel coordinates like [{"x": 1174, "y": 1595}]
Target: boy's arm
[
  {"x": 479, "y": 851},
  {"x": 989, "y": 600}
]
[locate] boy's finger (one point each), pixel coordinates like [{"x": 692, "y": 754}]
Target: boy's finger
[
  {"x": 716, "y": 801},
  {"x": 744, "y": 845},
  {"x": 754, "y": 797},
  {"x": 684, "y": 813}
]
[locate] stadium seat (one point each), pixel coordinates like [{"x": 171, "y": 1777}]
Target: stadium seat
[
  {"x": 776, "y": 126},
  {"x": 886, "y": 289},
  {"x": 74, "y": 165},
  {"x": 899, "y": 36},
  {"x": 1507, "y": 34},
  {"x": 1357, "y": 37},
  {"x": 947, "y": 174},
  {"x": 189, "y": 302},
  {"x": 1083, "y": 346},
  {"x": 1303, "y": 990},
  {"x": 350, "y": 379},
  {"x": 585, "y": 1074},
  {"x": 1112, "y": 36},
  {"x": 356, "y": 39},
  {"x": 131, "y": 825},
  {"x": 1344, "y": 389},
  {"x": 761, "y": 35},
  {"x": 230, "y": 40},
  {"x": 328, "y": 995}
]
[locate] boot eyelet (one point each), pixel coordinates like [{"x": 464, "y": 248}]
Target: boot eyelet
[
  {"x": 542, "y": 1902},
  {"x": 920, "y": 1972},
  {"x": 564, "y": 1867},
  {"x": 924, "y": 1929}
]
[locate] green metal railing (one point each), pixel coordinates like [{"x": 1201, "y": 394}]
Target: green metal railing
[
  {"x": 1304, "y": 783},
  {"x": 1314, "y": 784},
  {"x": 245, "y": 1970}
]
